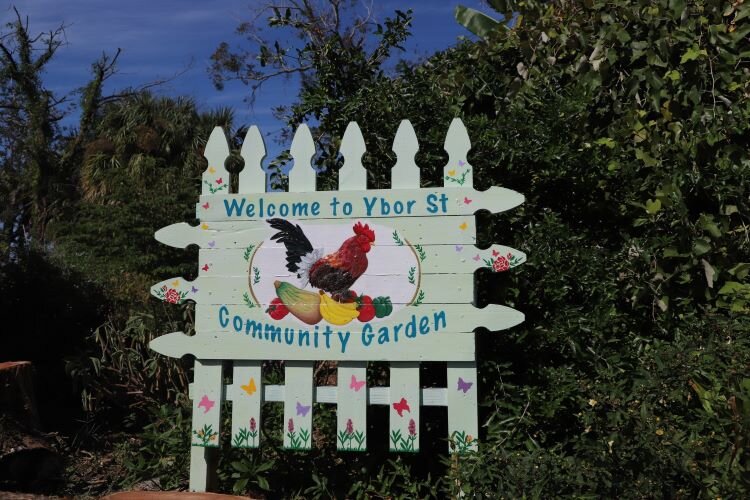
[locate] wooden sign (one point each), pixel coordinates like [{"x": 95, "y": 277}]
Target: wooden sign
[{"x": 353, "y": 275}]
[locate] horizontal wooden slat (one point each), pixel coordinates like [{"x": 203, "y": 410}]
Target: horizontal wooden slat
[
  {"x": 435, "y": 346},
  {"x": 425, "y": 202},
  {"x": 438, "y": 289},
  {"x": 454, "y": 230},
  {"x": 431, "y": 396},
  {"x": 438, "y": 259},
  {"x": 458, "y": 318}
]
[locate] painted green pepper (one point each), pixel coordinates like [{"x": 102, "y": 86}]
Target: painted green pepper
[{"x": 383, "y": 306}]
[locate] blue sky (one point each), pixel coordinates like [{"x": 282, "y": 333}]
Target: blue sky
[{"x": 161, "y": 38}]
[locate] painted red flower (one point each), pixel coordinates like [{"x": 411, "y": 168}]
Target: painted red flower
[
  {"x": 219, "y": 180},
  {"x": 253, "y": 425},
  {"x": 412, "y": 427},
  {"x": 290, "y": 425},
  {"x": 500, "y": 264},
  {"x": 349, "y": 426},
  {"x": 172, "y": 296}
]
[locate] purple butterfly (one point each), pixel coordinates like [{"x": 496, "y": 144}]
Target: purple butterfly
[
  {"x": 212, "y": 243},
  {"x": 303, "y": 410},
  {"x": 464, "y": 385},
  {"x": 459, "y": 248},
  {"x": 461, "y": 163},
  {"x": 193, "y": 289}
]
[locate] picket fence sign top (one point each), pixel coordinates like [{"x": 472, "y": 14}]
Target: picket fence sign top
[{"x": 353, "y": 275}]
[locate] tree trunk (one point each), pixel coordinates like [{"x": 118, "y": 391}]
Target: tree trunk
[{"x": 17, "y": 393}]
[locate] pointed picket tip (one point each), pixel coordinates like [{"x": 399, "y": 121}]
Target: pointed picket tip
[
  {"x": 353, "y": 143},
  {"x": 405, "y": 173},
  {"x": 253, "y": 177},
  {"x": 352, "y": 174},
  {"x": 175, "y": 290},
  {"x": 457, "y": 139},
  {"x": 174, "y": 345},
  {"x": 405, "y": 142},
  {"x": 302, "y": 175},
  {"x": 503, "y": 317},
  {"x": 215, "y": 179},
  {"x": 178, "y": 235},
  {"x": 303, "y": 146}
]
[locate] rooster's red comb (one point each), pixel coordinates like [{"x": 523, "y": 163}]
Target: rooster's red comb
[{"x": 359, "y": 228}]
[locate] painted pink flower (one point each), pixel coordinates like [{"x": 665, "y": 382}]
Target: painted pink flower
[
  {"x": 412, "y": 427},
  {"x": 253, "y": 425},
  {"x": 500, "y": 264},
  {"x": 349, "y": 426},
  {"x": 290, "y": 425},
  {"x": 172, "y": 296},
  {"x": 219, "y": 180}
]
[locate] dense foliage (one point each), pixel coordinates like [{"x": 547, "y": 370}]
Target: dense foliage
[{"x": 625, "y": 125}]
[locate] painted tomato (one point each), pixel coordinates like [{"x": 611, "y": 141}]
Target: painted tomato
[{"x": 366, "y": 309}]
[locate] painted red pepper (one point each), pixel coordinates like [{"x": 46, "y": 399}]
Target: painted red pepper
[{"x": 277, "y": 309}]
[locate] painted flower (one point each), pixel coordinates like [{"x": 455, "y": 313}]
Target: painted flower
[
  {"x": 172, "y": 296},
  {"x": 290, "y": 425},
  {"x": 349, "y": 426},
  {"x": 200, "y": 433},
  {"x": 469, "y": 439},
  {"x": 253, "y": 425},
  {"x": 219, "y": 180},
  {"x": 412, "y": 427},
  {"x": 500, "y": 264},
  {"x": 212, "y": 438}
]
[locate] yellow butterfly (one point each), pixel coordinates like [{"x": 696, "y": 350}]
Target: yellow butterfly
[
  {"x": 250, "y": 387},
  {"x": 211, "y": 170},
  {"x": 204, "y": 226},
  {"x": 175, "y": 283},
  {"x": 452, "y": 172},
  {"x": 463, "y": 226}
]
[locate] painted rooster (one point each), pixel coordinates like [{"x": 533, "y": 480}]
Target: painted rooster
[{"x": 334, "y": 273}]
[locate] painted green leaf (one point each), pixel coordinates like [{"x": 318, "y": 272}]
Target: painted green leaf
[{"x": 476, "y": 22}]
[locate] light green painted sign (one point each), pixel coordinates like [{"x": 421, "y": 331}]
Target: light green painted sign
[{"x": 353, "y": 275}]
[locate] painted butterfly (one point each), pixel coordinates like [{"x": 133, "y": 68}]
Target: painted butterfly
[
  {"x": 303, "y": 410},
  {"x": 401, "y": 406},
  {"x": 464, "y": 385},
  {"x": 355, "y": 384}
]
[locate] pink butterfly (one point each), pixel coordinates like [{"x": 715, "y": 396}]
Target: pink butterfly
[
  {"x": 205, "y": 206},
  {"x": 464, "y": 385},
  {"x": 205, "y": 267},
  {"x": 302, "y": 409},
  {"x": 476, "y": 257},
  {"x": 355, "y": 384},
  {"x": 467, "y": 200},
  {"x": 495, "y": 253},
  {"x": 206, "y": 403}
]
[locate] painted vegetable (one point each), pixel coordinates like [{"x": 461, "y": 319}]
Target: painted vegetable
[
  {"x": 304, "y": 305},
  {"x": 337, "y": 313},
  {"x": 366, "y": 309},
  {"x": 383, "y": 306},
  {"x": 277, "y": 309}
]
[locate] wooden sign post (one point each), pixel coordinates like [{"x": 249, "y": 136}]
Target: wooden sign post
[{"x": 353, "y": 275}]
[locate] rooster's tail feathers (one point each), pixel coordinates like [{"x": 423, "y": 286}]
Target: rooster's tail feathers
[{"x": 298, "y": 247}]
